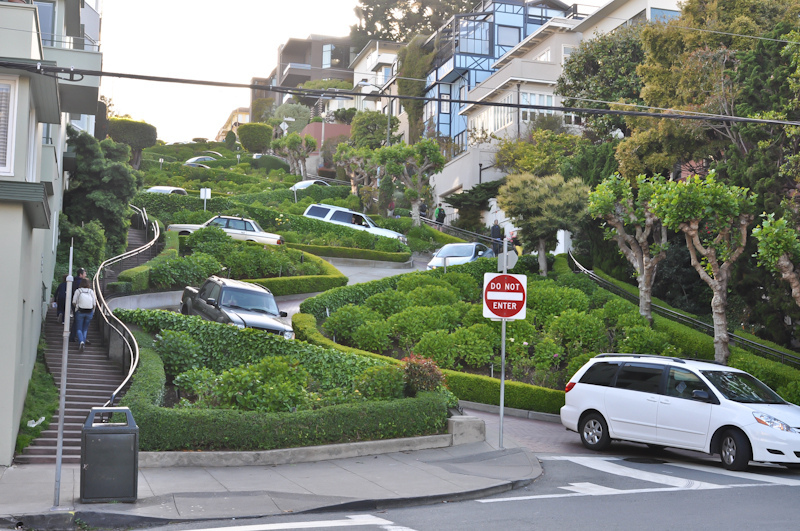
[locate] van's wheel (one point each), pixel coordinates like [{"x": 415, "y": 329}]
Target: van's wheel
[
  {"x": 184, "y": 309},
  {"x": 594, "y": 432},
  {"x": 735, "y": 451}
]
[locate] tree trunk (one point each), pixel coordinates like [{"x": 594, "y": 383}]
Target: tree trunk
[
  {"x": 415, "y": 212},
  {"x": 542, "y": 252},
  {"x": 721, "y": 339},
  {"x": 136, "y": 159},
  {"x": 645, "y": 292},
  {"x": 789, "y": 275}
]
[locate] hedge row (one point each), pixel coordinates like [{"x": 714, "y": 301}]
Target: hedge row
[
  {"x": 317, "y": 193},
  {"x": 164, "y": 429},
  {"x": 331, "y": 278},
  {"x": 163, "y": 206},
  {"x": 350, "y": 252},
  {"x": 138, "y": 278}
]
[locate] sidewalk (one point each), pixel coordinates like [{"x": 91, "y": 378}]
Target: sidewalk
[{"x": 367, "y": 482}]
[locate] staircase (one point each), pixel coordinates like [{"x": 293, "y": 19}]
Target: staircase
[{"x": 91, "y": 376}]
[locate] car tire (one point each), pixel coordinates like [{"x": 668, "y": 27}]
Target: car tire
[
  {"x": 594, "y": 432},
  {"x": 735, "y": 451}
]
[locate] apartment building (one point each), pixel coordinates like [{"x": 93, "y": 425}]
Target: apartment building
[
  {"x": 236, "y": 118},
  {"x": 34, "y": 170}
]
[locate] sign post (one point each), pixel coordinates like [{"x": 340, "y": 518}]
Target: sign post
[
  {"x": 205, "y": 194},
  {"x": 504, "y": 299}
]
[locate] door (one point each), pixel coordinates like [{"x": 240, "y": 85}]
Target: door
[
  {"x": 682, "y": 420},
  {"x": 632, "y": 403}
]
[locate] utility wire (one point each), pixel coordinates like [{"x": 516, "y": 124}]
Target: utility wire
[{"x": 42, "y": 69}]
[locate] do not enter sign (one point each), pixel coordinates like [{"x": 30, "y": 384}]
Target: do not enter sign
[{"x": 504, "y": 296}]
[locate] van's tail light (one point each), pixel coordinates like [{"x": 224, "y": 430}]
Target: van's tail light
[
  {"x": 569, "y": 387},
  {"x": 280, "y": 241}
]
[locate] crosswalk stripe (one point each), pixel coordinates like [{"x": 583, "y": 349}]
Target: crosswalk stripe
[
  {"x": 591, "y": 489},
  {"x": 741, "y": 475},
  {"x": 618, "y": 470}
]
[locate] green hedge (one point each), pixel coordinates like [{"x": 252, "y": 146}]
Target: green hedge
[
  {"x": 163, "y": 429},
  {"x": 332, "y": 278},
  {"x": 305, "y": 329},
  {"x": 138, "y": 278},
  {"x": 350, "y": 252},
  {"x": 317, "y": 193},
  {"x": 486, "y": 390}
]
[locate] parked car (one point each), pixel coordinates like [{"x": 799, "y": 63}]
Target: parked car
[
  {"x": 459, "y": 253},
  {"x": 237, "y": 228},
  {"x": 350, "y": 218},
  {"x": 196, "y": 165},
  {"x": 238, "y": 303},
  {"x": 201, "y": 158},
  {"x": 302, "y": 185},
  {"x": 166, "y": 190},
  {"x": 681, "y": 403}
]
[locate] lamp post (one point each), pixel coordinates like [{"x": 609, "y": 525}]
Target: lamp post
[{"x": 388, "y": 108}]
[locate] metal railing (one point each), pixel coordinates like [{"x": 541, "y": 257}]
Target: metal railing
[
  {"x": 110, "y": 323},
  {"x": 757, "y": 348},
  {"x": 460, "y": 233}
]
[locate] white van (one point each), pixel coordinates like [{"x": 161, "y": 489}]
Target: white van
[{"x": 350, "y": 218}]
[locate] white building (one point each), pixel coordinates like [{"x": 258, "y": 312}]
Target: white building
[{"x": 34, "y": 112}]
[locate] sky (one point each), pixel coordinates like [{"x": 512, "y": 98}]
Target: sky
[{"x": 231, "y": 41}]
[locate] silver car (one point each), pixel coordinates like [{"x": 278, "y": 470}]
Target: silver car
[
  {"x": 237, "y": 228},
  {"x": 459, "y": 253}
]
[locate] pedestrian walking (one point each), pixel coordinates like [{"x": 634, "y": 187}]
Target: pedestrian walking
[
  {"x": 61, "y": 299},
  {"x": 497, "y": 235},
  {"x": 84, "y": 301},
  {"x": 79, "y": 277},
  {"x": 439, "y": 215}
]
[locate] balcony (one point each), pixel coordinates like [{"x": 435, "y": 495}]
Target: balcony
[
  {"x": 79, "y": 96},
  {"x": 294, "y": 74}
]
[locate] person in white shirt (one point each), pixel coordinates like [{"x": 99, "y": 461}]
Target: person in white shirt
[{"x": 84, "y": 300}]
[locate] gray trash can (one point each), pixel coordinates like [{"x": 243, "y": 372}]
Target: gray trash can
[{"x": 109, "y": 457}]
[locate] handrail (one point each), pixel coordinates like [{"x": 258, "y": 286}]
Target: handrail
[
  {"x": 108, "y": 316},
  {"x": 757, "y": 348},
  {"x": 461, "y": 233}
]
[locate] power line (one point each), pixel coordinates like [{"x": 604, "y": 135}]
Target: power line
[{"x": 316, "y": 93}]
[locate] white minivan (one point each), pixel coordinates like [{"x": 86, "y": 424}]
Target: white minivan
[
  {"x": 681, "y": 403},
  {"x": 350, "y": 218}
]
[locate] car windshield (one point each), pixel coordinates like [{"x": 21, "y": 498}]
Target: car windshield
[
  {"x": 451, "y": 251},
  {"x": 742, "y": 387},
  {"x": 369, "y": 221},
  {"x": 249, "y": 300}
]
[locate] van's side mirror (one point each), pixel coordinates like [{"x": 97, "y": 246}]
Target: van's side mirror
[
  {"x": 283, "y": 314},
  {"x": 480, "y": 253},
  {"x": 700, "y": 394},
  {"x": 211, "y": 302}
]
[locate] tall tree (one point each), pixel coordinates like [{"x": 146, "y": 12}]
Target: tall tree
[
  {"x": 296, "y": 149},
  {"x": 401, "y": 20},
  {"x": 540, "y": 155},
  {"x": 413, "y": 166},
  {"x": 136, "y": 135},
  {"x": 414, "y": 64},
  {"x": 640, "y": 235},
  {"x": 101, "y": 187},
  {"x": 358, "y": 164},
  {"x": 255, "y": 137},
  {"x": 541, "y": 206},
  {"x": 779, "y": 250},
  {"x": 298, "y": 111},
  {"x": 714, "y": 219},
  {"x": 263, "y": 109},
  {"x": 368, "y": 129},
  {"x": 603, "y": 69}
]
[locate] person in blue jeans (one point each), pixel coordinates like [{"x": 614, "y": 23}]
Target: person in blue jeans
[
  {"x": 73, "y": 332},
  {"x": 84, "y": 300}
]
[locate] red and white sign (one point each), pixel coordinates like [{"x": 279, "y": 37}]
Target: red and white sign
[{"x": 504, "y": 296}]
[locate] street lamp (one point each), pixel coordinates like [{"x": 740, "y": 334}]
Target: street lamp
[{"x": 389, "y": 109}]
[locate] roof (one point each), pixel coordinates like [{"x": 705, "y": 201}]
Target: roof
[{"x": 231, "y": 283}]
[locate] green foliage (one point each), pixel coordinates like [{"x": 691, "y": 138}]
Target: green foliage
[
  {"x": 475, "y": 344},
  {"x": 388, "y": 302},
  {"x": 176, "y": 272},
  {"x": 486, "y": 390},
  {"x": 578, "y": 332},
  {"x": 540, "y": 156},
  {"x": 440, "y": 346},
  {"x": 41, "y": 400},
  {"x": 300, "y": 113},
  {"x": 136, "y": 135},
  {"x": 409, "y": 325},
  {"x": 88, "y": 240},
  {"x": 790, "y": 392},
  {"x": 421, "y": 375},
  {"x": 368, "y": 129},
  {"x": 432, "y": 296},
  {"x": 776, "y": 239},
  {"x": 255, "y": 137},
  {"x": 410, "y": 282},
  {"x": 373, "y": 336},
  {"x": 468, "y": 288},
  {"x": 545, "y": 300},
  {"x": 344, "y": 321},
  {"x": 100, "y": 189},
  {"x": 415, "y": 63},
  {"x": 385, "y": 382},
  {"x": 230, "y": 140},
  {"x": 644, "y": 340},
  {"x": 179, "y": 351}
]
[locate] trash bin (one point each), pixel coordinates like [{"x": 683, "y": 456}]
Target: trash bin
[{"x": 109, "y": 457}]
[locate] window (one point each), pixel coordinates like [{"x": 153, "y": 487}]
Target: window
[
  {"x": 8, "y": 98},
  {"x": 236, "y": 224},
  {"x": 47, "y": 17},
  {"x": 335, "y": 56},
  {"x": 342, "y": 216},
  {"x": 601, "y": 373},
  {"x": 317, "y": 212},
  {"x": 444, "y": 108},
  {"x": 640, "y": 377},
  {"x": 387, "y": 74},
  {"x": 473, "y": 37},
  {"x": 682, "y": 383},
  {"x": 544, "y": 56},
  {"x": 218, "y": 222},
  {"x": 507, "y": 36},
  {"x": 663, "y": 15},
  {"x": 326, "y": 55},
  {"x": 567, "y": 52}
]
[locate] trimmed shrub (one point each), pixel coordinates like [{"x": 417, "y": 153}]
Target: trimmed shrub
[
  {"x": 433, "y": 296},
  {"x": 179, "y": 352},
  {"x": 468, "y": 288},
  {"x": 440, "y": 346},
  {"x": 385, "y": 382},
  {"x": 545, "y": 301},
  {"x": 409, "y": 325},
  {"x": 475, "y": 344},
  {"x": 645, "y": 340},
  {"x": 373, "y": 336},
  {"x": 578, "y": 332},
  {"x": 388, "y": 302},
  {"x": 343, "y": 322},
  {"x": 409, "y": 282},
  {"x": 421, "y": 374},
  {"x": 190, "y": 270}
]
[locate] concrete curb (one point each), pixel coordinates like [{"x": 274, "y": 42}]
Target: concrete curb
[
  {"x": 287, "y": 456},
  {"x": 511, "y": 412},
  {"x": 358, "y": 262}
]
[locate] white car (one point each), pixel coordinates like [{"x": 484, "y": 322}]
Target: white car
[
  {"x": 237, "y": 228},
  {"x": 681, "y": 403},
  {"x": 302, "y": 185},
  {"x": 350, "y": 218},
  {"x": 459, "y": 253},
  {"x": 166, "y": 190}
]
